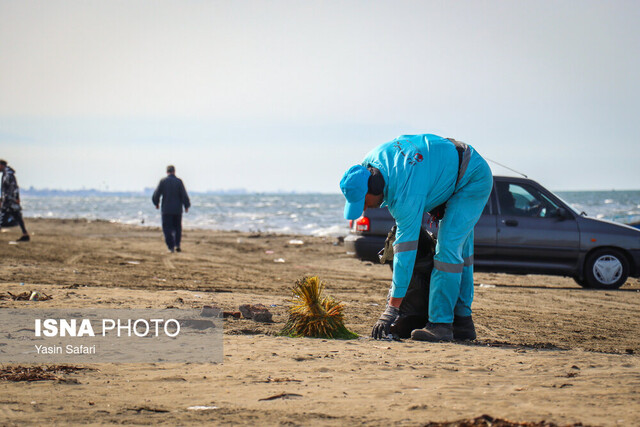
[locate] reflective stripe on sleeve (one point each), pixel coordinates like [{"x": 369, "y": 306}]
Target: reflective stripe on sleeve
[
  {"x": 468, "y": 261},
  {"x": 405, "y": 247},
  {"x": 448, "y": 267}
]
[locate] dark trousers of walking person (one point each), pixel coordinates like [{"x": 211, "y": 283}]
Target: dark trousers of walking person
[
  {"x": 172, "y": 229},
  {"x": 20, "y": 221}
]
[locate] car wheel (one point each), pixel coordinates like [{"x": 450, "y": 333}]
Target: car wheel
[{"x": 606, "y": 269}]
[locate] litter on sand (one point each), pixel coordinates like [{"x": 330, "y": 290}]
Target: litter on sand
[
  {"x": 280, "y": 260},
  {"x": 201, "y": 408},
  {"x": 281, "y": 396},
  {"x": 482, "y": 285},
  {"x": 296, "y": 242},
  {"x": 234, "y": 314},
  {"x": 26, "y": 296},
  {"x": 38, "y": 296},
  {"x": 256, "y": 312}
]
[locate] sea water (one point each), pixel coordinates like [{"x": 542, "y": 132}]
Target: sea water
[
  {"x": 619, "y": 206},
  {"x": 311, "y": 214}
]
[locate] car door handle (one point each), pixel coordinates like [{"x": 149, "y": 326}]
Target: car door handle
[{"x": 510, "y": 222}]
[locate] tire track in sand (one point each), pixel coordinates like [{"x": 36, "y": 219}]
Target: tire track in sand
[
  {"x": 168, "y": 263},
  {"x": 74, "y": 259}
]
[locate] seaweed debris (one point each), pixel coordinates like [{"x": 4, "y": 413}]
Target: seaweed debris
[{"x": 19, "y": 373}]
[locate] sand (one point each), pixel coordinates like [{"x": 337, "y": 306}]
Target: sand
[{"x": 547, "y": 349}]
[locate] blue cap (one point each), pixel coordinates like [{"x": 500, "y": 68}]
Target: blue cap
[{"x": 354, "y": 186}]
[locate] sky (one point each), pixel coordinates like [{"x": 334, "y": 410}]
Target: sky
[{"x": 286, "y": 95}]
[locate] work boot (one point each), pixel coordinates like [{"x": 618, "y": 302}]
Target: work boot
[
  {"x": 434, "y": 332},
  {"x": 463, "y": 329},
  {"x": 24, "y": 238}
]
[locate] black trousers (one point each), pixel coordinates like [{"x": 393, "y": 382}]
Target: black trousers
[
  {"x": 172, "y": 229},
  {"x": 18, "y": 216}
]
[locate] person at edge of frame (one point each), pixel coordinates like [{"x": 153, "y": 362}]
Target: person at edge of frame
[{"x": 10, "y": 208}]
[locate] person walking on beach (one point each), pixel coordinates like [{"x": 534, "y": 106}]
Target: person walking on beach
[
  {"x": 10, "y": 209},
  {"x": 174, "y": 197},
  {"x": 411, "y": 175}
]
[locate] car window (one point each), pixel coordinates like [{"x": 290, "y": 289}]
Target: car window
[{"x": 524, "y": 200}]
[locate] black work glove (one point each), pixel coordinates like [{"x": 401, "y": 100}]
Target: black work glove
[
  {"x": 381, "y": 328},
  {"x": 437, "y": 213}
]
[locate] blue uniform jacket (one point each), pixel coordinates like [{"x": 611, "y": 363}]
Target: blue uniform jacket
[{"x": 420, "y": 173}]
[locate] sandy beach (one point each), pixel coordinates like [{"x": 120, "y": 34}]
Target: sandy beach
[{"x": 546, "y": 350}]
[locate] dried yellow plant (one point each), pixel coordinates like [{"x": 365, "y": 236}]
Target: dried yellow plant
[{"x": 313, "y": 315}]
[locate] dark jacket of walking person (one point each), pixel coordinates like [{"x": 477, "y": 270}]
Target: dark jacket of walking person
[
  {"x": 174, "y": 196},
  {"x": 10, "y": 210}
]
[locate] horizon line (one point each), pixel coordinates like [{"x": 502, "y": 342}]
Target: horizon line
[{"x": 241, "y": 191}]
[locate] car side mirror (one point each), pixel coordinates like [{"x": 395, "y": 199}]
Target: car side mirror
[{"x": 562, "y": 214}]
